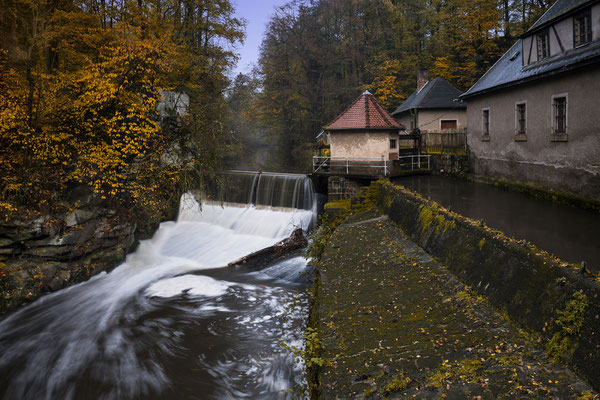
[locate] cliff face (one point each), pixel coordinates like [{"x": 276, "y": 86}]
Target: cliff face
[{"x": 56, "y": 250}]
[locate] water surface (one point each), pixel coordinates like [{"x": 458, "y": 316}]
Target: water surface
[
  {"x": 173, "y": 321},
  {"x": 571, "y": 233}
]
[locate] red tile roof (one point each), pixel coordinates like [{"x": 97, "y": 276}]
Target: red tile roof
[{"x": 364, "y": 113}]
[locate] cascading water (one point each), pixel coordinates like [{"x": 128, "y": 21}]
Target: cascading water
[{"x": 170, "y": 322}]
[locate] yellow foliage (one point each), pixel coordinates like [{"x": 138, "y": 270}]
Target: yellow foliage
[{"x": 78, "y": 97}]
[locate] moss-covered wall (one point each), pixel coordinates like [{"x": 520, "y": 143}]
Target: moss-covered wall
[{"x": 549, "y": 298}]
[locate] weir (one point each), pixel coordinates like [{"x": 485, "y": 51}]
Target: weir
[
  {"x": 171, "y": 322},
  {"x": 266, "y": 189}
]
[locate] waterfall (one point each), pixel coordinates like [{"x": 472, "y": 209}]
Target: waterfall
[
  {"x": 267, "y": 189},
  {"x": 170, "y": 321}
]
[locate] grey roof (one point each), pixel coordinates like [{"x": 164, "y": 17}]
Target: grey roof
[
  {"x": 557, "y": 10},
  {"x": 509, "y": 69},
  {"x": 435, "y": 94}
]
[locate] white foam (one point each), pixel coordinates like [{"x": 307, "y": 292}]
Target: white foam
[
  {"x": 75, "y": 318},
  {"x": 195, "y": 285}
]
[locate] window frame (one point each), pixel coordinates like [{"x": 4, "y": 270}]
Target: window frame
[
  {"x": 449, "y": 120},
  {"x": 485, "y": 128},
  {"x": 544, "y": 45},
  {"x": 556, "y": 135},
  {"x": 520, "y": 135},
  {"x": 587, "y": 16},
  {"x": 395, "y": 144}
]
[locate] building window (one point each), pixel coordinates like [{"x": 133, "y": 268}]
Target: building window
[
  {"x": 393, "y": 143},
  {"x": 582, "y": 29},
  {"x": 448, "y": 124},
  {"x": 521, "y": 118},
  {"x": 543, "y": 45},
  {"x": 486, "y": 122},
  {"x": 559, "y": 113}
]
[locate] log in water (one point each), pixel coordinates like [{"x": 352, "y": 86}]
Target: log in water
[{"x": 170, "y": 322}]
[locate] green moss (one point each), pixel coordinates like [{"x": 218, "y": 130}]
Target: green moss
[
  {"x": 434, "y": 218},
  {"x": 569, "y": 321},
  {"x": 588, "y": 396},
  {"x": 559, "y": 348},
  {"x": 481, "y": 243},
  {"x": 466, "y": 370},
  {"x": 400, "y": 382},
  {"x": 571, "y": 318},
  {"x": 343, "y": 204},
  {"x": 426, "y": 216},
  {"x": 370, "y": 392}
]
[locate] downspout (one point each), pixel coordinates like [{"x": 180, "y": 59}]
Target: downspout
[{"x": 414, "y": 115}]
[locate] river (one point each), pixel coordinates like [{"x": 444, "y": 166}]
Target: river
[
  {"x": 172, "y": 321},
  {"x": 571, "y": 233}
]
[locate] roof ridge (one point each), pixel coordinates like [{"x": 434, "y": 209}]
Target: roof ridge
[
  {"x": 429, "y": 90},
  {"x": 503, "y": 56},
  {"x": 541, "y": 16},
  {"x": 368, "y": 115},
  {"x": 367, "y": 119},
  {"x": 381, "y": 110}
]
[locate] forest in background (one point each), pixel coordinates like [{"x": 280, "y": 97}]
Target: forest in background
[
  {"x": 80, "y": 81},
  {"x": 317, "y": 56}
]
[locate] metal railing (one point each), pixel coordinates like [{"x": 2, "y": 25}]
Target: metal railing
[
  {"x": 370, "y": 166},
  {"x": 416, "y": 162},
  {"x": 354, "y": 165}
]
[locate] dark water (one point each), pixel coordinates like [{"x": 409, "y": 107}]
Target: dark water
[
  {"x": 571, "y": 233},
  {"x": 173, "y": 321}
]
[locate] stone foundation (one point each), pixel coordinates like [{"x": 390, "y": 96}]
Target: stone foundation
[
  {"x": 449, "y": 164},
  {"x": 339, "y": 188}
]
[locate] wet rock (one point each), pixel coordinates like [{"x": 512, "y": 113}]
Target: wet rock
[
  {"x": 6, "y": 242},
  {"x": 60, "y": 280},
  {"x": 49, "y": 268},
  {"x": 79, "y": 216},
  {"x": 48, "y": 253}
]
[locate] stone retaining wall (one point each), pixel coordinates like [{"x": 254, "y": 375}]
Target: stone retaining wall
[
  {"x": 340, "y": 188},
  {"x": 552, "y": 300},
  {"x": 449, "y": 164}
]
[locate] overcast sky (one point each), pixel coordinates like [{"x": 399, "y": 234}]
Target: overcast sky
[{"x": 257, "y": 13}]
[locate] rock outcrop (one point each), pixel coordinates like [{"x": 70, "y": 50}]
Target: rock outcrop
[{"x": 50, "y": 252}]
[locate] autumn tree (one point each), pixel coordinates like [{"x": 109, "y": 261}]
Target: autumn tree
[{"x": 81, "y": 81}]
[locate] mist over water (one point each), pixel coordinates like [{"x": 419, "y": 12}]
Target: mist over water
[{"x": 171, "y": 321}]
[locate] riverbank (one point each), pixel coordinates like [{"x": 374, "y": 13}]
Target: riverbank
[{"x": 395, "y": 323}]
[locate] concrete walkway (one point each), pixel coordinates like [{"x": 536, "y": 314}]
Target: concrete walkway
[{"x": 396, "y": 324}]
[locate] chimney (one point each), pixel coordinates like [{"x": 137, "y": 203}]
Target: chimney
[{"x": 421, "y": 78}]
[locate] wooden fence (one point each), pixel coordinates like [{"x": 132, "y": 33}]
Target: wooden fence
[{"x": 445, "y": 142}]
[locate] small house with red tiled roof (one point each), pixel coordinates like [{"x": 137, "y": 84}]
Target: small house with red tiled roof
[{"x": 365, "y": 130}]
